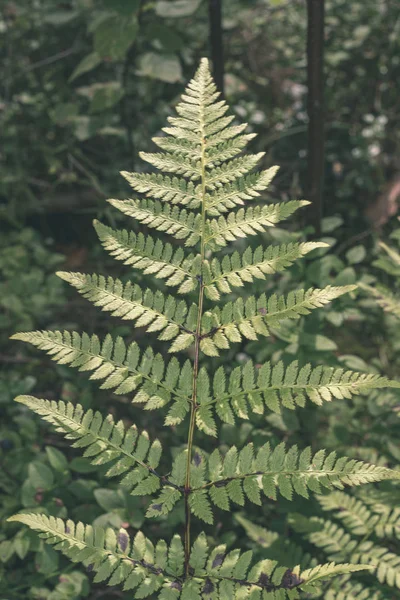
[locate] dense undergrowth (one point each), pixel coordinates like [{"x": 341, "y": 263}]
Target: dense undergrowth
[{"x": 323, "y": 529}]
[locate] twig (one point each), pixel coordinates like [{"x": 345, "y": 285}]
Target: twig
[
  {"x": 315, "y": 154},
  {"x": 50, "y": 59},
  {"x": 216, "y": 42}
]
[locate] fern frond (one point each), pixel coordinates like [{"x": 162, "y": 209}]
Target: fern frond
[
  {"x": 384, "y": 298},
  {"x": 122, "y": 368},
  {"x": 339, "y": 545},
  {"x": 262, "y": 536},
  {"x": 324, "y": 572},
  {"x": 172, "y": 492},
  {"x": 284, "y": 550},
  {"x": 247, "y": 474},
  {"x": 154, "y": 311},
  {"x": 335, "y": 541},
  {"x": 250, "y": 318},
  {"x": 202, "y": 202},
  {"x": 245, "y": 188},
  {"x": 175, "y": 190},
  {"x": 243, "y": 474},
  {"x": 181, "y": 224},
  {"x": 352, "y": 591},
  {"x": 229, "y": 149},
  {"x": 140, "y": 566},
  {"x": 137, "y": 565},
  {"x": 105, "y": 441},
  {"x": 174, "y": 163},
  {"x": 385, "y": 564},
  {"x": 276, "y": 386},
  {"x": 383, "y": 521},
  {"x": 152, "y": 257},
  {"x": 238, "y": 270},
  {"x": 181, "y": 146},
  {"x": 249, "y": 221},
  {"x": 231, "y": 170}
]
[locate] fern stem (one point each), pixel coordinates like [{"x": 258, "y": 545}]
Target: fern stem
[
  {"x": 194, "y": 405},
  {"x": 192, "y": 425}
]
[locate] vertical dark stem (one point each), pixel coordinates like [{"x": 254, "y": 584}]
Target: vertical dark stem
[
  {"x": 127, "y": 109},
  {"x": 216, "y": 42},
  {"x": 315, "y": 75},
  {"x": 193, "y": 403},
  {"x": 192, "y": 425}
]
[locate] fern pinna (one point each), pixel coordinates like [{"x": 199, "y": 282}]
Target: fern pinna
[{"x": 208, "y": 200}]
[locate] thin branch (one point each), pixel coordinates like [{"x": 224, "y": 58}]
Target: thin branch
[
  {"x": 127, "y": 117},
  {"x": 316, "y": 159},
  {"x": 193, "y": 402},
  {"x": 216, "y": 42},
  {"x": 50, "y": 59}
]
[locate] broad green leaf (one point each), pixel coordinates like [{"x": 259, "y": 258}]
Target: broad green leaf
[
  {"x": 176, "y": 8},
  {"x": 90, "y": 62},
  {"x": 114, "y": 36},
  {"x": 165, "y": 67}
]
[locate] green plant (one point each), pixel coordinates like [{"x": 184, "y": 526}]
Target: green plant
[
  {"x": 212, "y": 183},
  {"x": 29, "y": 290},
  {"x": 389, "y": 264}
]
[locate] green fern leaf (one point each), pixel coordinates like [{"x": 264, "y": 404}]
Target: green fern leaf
[
  {"x": 174, "y": 190},
  {"x": 154, "y": 311},
  {"x": 122, "y": 369},
  {"x": 323, "y": 572},
  {"x": 246, "y": 474},
  {"x": 105, "y": 441},
  {"x": 337, "y": 544},
  {"x": 238, "y": 271},
  {"x": 384, "y": 298},
  {"x": 181, "y": 224},
  {"x": 230, "y": 575},
  {"x": 152, "y": 257},
  {"x": 251, "y": 318},
  {"x": 383, "y": 521},
  {"x": 171, "y": 163},
  {"x": 231, "y": 170},
  {"x": 247, "y": 222},
  {"x": 245, "y": 188},
  {"x": 226, "y": 150},
  {"x": 199, "y": 199},
  {"x": 276, "y": 387},
  {"x": 110, "y": 555},
  {"x": 353, "y": 591}
]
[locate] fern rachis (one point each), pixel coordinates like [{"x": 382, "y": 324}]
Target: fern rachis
[{"x": 199, "y": 198}]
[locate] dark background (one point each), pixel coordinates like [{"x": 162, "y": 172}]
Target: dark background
[{"x": 85, "y": 85}]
